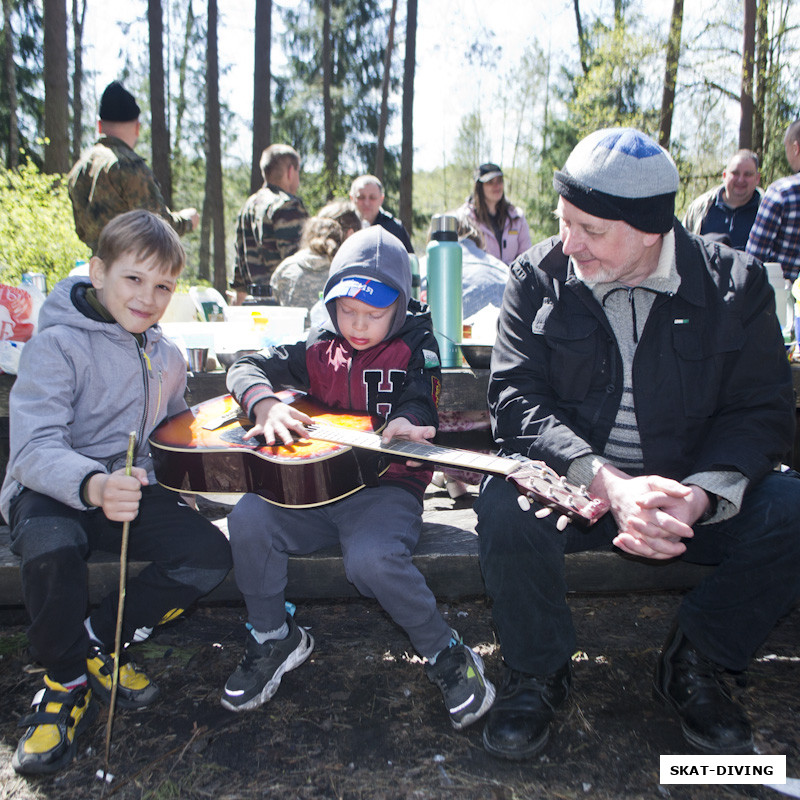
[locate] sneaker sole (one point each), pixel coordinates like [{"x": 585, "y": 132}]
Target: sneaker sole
[
  {"x": 104, "y": 696},
  {"x": 34, "y": 767},
  {"x": 294, "y": 660},
  {"x": 488, "y": 699}
]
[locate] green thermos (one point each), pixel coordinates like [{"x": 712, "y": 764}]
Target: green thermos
[{"x": 444, "y": 287}]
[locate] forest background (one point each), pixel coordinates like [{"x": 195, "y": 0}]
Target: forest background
[{"x": 417, "y": 94}]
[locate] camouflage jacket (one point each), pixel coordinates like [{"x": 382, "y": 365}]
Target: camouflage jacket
[
  {"x": 267, "y": 231},
  {"x": 110, "y": 179}
]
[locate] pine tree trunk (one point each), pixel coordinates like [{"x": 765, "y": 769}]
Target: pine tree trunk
[
  {"x": 759, "y": 106},
  {"x": 327, "y": 107},
  {"x": 180, "y": 104},
  {"x": 407, "y": 151},
  {"x": 262, "y": 87},
  {"x": 162, "y": 168},
  {"x": 56, "y": 87},
  {"x": 213, "y": 200},
  {"x": 10, "y": 70},
  {"x": 671, "y": 73},
  {"x": 581, "y": 37},
  {"x": 748, "y": 60},
  {"x": 78, "y": 18},
  {"x": 384, "y": 118}
]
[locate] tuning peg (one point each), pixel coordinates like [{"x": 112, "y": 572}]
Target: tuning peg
[
  {"x": 523, "y": 502},
  {"x": 562, "y": 523},
  {"x": 543, "y": 512}
]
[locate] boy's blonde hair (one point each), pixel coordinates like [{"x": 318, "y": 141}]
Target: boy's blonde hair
[{"x": 144, "y": 235}]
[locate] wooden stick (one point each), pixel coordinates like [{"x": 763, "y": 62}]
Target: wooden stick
[{"x": 123, "y": 573}]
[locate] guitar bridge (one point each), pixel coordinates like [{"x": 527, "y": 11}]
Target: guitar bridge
[{"x": 225, "y": 419}]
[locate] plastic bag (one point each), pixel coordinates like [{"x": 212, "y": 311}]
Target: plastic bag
[
  {"x": 19, "y": 317},
  {"x": 9, "y": 356},
  {"x": 19, "y": 312}
]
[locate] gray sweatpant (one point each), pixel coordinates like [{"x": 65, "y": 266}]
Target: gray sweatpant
[{"x": 378, "y": 529}]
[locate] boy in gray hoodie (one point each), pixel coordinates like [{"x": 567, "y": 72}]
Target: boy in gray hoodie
[
  {"x": 380, "y": 356},
  {"x": 98, "y": 369}
]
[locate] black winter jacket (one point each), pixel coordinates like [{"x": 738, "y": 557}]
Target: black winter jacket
[{"x": 712, "y": 383}]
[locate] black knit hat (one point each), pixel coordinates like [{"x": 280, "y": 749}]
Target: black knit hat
[
  {"x": 621, "y": 174},
  {"x": 117, "y": 104}
]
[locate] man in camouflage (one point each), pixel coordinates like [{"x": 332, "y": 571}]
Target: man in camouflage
[
  {"x": 270, "y": 223},
  {"x": 110, "y": 179}
]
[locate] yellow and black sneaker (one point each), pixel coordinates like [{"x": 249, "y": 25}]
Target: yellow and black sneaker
[
  {"x": 59, "y": 716},
  {"x": 134, "y": 689}
]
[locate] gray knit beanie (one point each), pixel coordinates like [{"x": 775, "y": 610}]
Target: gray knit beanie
[{"x": 621, "y": 174}]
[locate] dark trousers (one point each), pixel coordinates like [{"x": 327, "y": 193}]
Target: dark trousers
[
  {"x": 377, "y": 528},
  {"x": 726, "y": 616},
  {"x": 188, "y": 557}
]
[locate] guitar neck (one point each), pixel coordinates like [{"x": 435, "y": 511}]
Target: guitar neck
[{"x": 418, "y": 451}]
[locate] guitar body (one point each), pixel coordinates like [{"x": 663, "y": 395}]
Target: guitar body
[{"x": 201, "y": 451}]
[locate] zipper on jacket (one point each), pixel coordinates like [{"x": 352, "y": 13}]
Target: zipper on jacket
[
  {"x": 632, "y": 303},
  {"x": 612, "y": 363},
  {"x": 349, "y": 376},
  {"x": 144, "y": 360},
  {"x": 160, "y": 393}
]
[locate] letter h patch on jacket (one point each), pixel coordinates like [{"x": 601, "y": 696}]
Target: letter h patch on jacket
[{"x": 381, "y": 386}]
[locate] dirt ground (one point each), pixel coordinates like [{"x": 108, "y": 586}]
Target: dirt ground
[{"x": 360, "y": 719}]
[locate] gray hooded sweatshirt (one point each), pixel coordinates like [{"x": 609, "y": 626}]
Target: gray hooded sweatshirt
[{"x": 83, "y": 385}]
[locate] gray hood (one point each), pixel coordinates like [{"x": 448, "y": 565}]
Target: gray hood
[{"x": 373, "y": 253}]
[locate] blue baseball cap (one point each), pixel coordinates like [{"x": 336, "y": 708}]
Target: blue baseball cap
[{"x": 367, "y": 290}]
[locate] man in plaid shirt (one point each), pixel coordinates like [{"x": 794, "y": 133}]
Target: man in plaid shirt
[{"x": 775, "y": 235}]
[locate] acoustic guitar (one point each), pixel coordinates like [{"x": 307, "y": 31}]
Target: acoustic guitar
[{"x": 202, "y": 451}]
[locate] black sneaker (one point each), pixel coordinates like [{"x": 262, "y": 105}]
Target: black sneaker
[
  {"x": 259, "y": 673},
  {"x": 134, "y": 689},
  {"x": 458, "y": 672},
  {"x": 59, "y": 716}
]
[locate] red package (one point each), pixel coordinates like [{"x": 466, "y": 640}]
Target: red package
[{"x": 19, "y": 312}]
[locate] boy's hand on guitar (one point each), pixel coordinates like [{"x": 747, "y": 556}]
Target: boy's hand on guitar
[
  {"x": 278, "y": 422},
  {"x": 402, "y": 428},
  {"x": 117, "y": 494}
]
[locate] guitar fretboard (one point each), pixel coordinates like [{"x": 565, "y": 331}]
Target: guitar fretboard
[{"x": 446, "y": 456}]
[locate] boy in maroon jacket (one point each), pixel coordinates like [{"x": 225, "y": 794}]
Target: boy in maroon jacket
[{"x": 380, "y": 356}]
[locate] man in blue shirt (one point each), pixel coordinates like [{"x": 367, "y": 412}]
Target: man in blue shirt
[{"x": 729, "y": 210}]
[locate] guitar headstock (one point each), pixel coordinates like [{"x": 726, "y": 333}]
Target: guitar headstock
[{"x": 536, "y": 481}]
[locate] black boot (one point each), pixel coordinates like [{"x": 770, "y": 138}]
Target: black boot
[
  {"x": 693, "y": 686},
  {"x": 518, "y": 724}
]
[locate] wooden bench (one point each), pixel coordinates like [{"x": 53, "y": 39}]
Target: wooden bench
[{"x": 447, "y": 555}]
